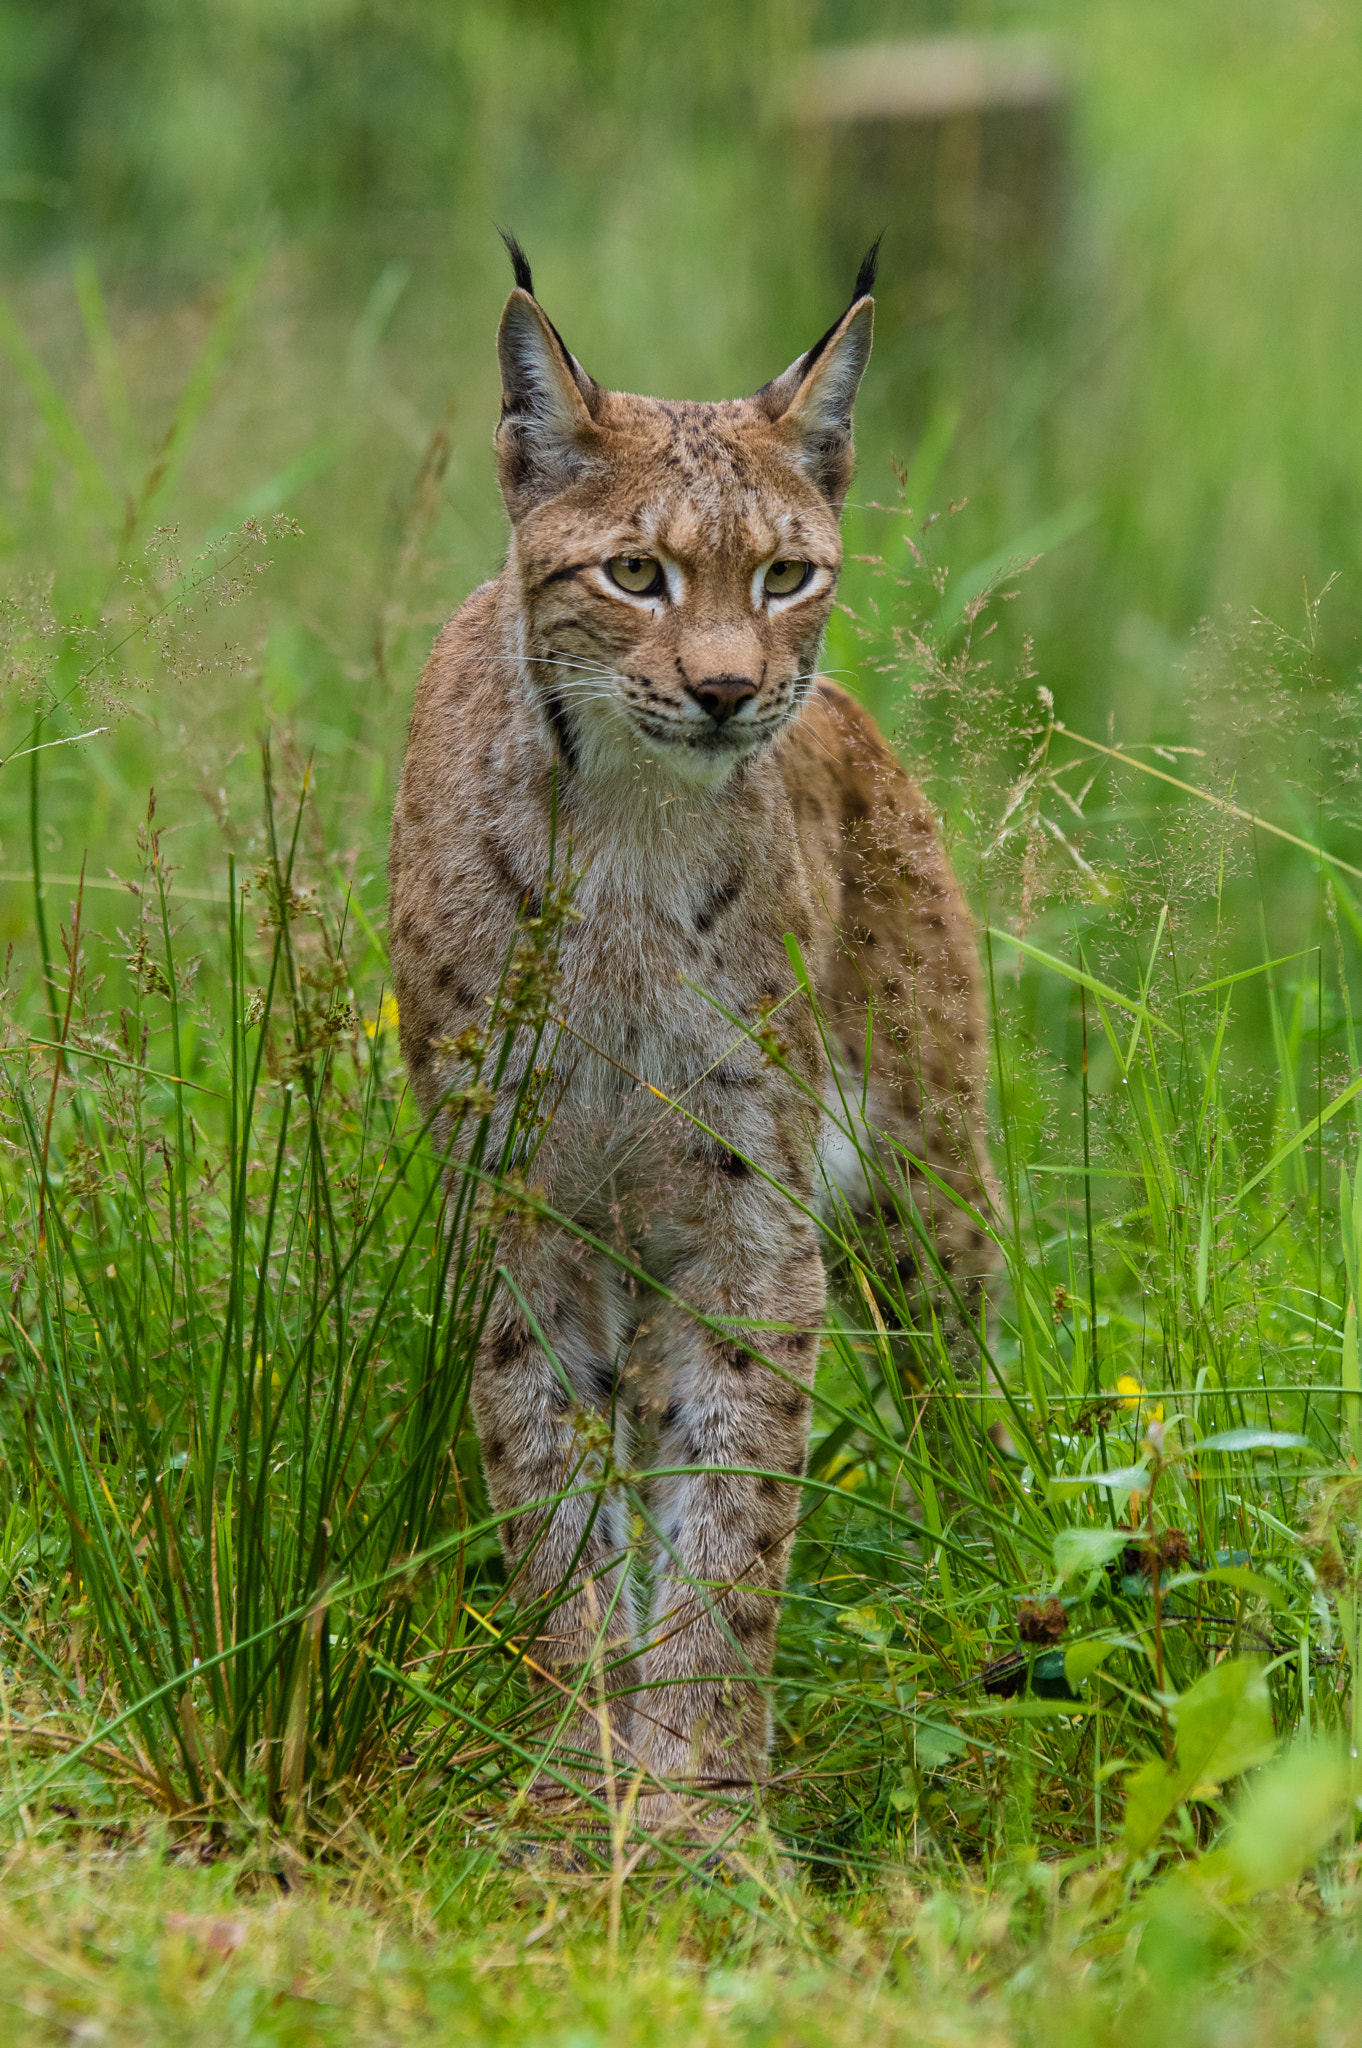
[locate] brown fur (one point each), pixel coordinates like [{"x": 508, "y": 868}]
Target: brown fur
[{"x": 702, "y": 836}]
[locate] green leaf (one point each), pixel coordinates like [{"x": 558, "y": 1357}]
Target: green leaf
[
  {"x": 1256, "y": 1440},
  {"x": 1125, "y": 1479},
  {"x": 1224, "y": 1726},
  {"x": 1048, "y": 1677},
  {"x": 938, "y": 1745},
  {"x": 1203, "y": 1250},
  {"x": 1151, "y": 1795},
  {"x": 1083, "y": 1659},
  {"x": 1224, "y": 1722},
  {"x": 108, "y": 371},
  {"x": 872, "y": 1624},
  {"x": 323, "y": 454},
  {"x": 1087, "y": 1550},
  {"x": 1293, "y": 1810}
]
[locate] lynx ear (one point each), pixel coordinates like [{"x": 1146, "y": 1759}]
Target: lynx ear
[
  {"x": 811, "y": 403},
  {"x": 545, "y": 436},
  {"x": 812, "y": 400}
]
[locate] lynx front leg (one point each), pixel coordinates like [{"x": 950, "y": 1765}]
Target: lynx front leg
[
  {"x": 727, "y": 1527},
  {"x": 541, "y": 1439}
]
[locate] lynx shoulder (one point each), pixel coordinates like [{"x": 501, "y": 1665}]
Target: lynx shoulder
[{"x": 642, "y": 682}]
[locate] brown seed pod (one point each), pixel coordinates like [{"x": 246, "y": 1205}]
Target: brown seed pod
[{"x": 1037, "y": 1623}]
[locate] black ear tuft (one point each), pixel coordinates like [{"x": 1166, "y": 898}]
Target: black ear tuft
[
  {"x": 870, "y": 263},
  {"x": 520, "y": 262},
  {"x": 865, "y": 281}
]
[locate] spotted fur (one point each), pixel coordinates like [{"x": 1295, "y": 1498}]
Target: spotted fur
[{"x": 717, "y": 797}]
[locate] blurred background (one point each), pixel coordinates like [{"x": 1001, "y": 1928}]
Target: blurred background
[{"x": 250, "y": 268}]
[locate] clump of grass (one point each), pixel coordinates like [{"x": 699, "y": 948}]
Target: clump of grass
[
  {"x": 1173, "y": 1345},
  {"x": 237, "y": 1465}
]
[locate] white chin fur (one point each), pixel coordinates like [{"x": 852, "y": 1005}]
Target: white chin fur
[{"x": 691, "y": 761}]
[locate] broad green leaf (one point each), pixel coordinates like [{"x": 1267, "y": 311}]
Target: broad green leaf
[
  {"x": 1224, "y": 1722},
  {"x": 1255, "y": 1440},
  {"x": 1294, "y": 1810},
  {"x": 1086, "y": 1550},
  {"x": 872, "y": 1624},
  {"x": 938, "y": 1745},
  {"x": 1083, "y": 1659},
  {"x": 1151, "y": 1795},
  {"x": 1224, "y": 1726},
  {"x": 1048, "y": 1681},
  {"x": 1125, "y": 1479}
]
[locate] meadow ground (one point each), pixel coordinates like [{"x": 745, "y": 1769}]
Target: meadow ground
[{"x": 1067, "y": 1731}]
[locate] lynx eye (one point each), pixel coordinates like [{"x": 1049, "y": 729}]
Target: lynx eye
[
  {"x": 640, "y": 575},
  {"x": 783, "y": 579}
]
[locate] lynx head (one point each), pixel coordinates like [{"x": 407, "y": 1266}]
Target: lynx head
[{"x": 676, "y": 562}]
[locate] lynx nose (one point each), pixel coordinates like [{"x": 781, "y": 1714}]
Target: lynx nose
[{"x": 720, "y": 696}]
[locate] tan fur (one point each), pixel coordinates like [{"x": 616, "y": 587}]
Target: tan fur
[{"x": 701, "y": 841}]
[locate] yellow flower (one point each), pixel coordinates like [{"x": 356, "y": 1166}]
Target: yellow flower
[
  {"x": 1132, "y": 1396},
  {"x": 386, "y": 1019}
]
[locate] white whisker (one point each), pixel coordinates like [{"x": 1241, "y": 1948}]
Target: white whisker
[{"x": 553, "y": 661}]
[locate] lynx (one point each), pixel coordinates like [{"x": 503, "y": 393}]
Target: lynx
[{"x": 642, "y": 681}]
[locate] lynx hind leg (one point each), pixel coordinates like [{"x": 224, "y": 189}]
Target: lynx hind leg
[
  {"x": 567, "y": 1561},
  {"x": 726, "y": 1525}
]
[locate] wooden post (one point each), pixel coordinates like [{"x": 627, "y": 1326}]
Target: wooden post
[{"x": 955, "y": 145}]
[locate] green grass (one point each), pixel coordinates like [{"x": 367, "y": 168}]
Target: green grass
[
  {"x": 259, "y": 1662},
  {"x": 152, "y": 1947},
  {"x": 255, "y": 1603}
]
